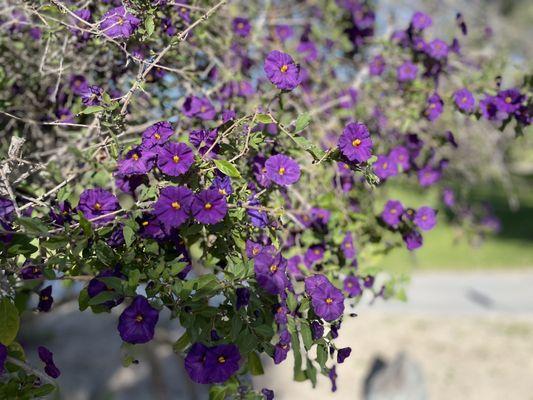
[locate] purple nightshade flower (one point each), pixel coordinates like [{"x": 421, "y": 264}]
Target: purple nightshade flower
[
  {"x": 270, "y": 272},
  {"x": 406, "y": 72},
  {"x": 199, "y": 107},
  {"x": 243, "y": 297},
  {"x": 321, "y": 215},
  {"x": 203, "y": 140},
  {"x": 95, "y": 203},
  {"x": 385, "y": 168},
  {"x": 45, "y": 299},
  {"x": 253, "y": 249},
  {"x": 413, "y": 240},
  {"x": 92, "y": 96},
  {"x": 425, "y": 218},
  {"x": 327, "y": 300},
  {"x": 64, "y": 115},
  {"x": 492, "y": 108},
  {"x": 368, "y": 281},
  {"x": 284, "y": 32},
  {"x": 343, "y": 354},
  {"x": 400, "y": 156},
  {"x": 355, "y": 142},
  {"x": 212, "y": 364},
  {"x": 267, "y": 394},
  {"x": 173, "y": 207},
  {"x": 308, "y": 50},
  {"x": 293, "y": 267},
  {"x": 282, "y": 71},
  {"x": 377, "y": 65},
  {"x": 30, "y": 271},
  {"x": 438, "y": 49},
  {"x": 85, "y": 15},
  {"x": 47, "y": 357},
  {"x": 350, "y": 96},
  {"x": 332, "y": 374},
  {"x": 281, "y": 350},
  {"x": 420, "y": 44},
  {"x": 317, "y": 330},
  {"x": 222, "y": 183},
  {"x": 511, "y": 100},
  {"x": 448, "y": 197},
  {"x": 157, "y": 134},
  {"x": 282, "y": 170},
  {"x": 168, "y": 27},
  {"x": 258, "y": 218},
  {"x": 174, "y": 159},
  {"x": 7, "y": 209},
  {"x": 119, "y": 23},
  {"x": 62, "y": 213},
  {"x": 3, "y": 358},
  {"x": 128, "y": 184},
  {"x": 464, "y": 100},
  {"x": 434, "y": 107},
  {"x": 116, "y": 239},
  {"x": 392, "y": 212},
  {"x": 209, "y": 206},
  {"x": 421, "y": 21},
  {"x": 138, "y": 161},
  {"x": 314, "y": 254},
  {"x": 427, "y": 176},
  {"x": 97, "y": 286},
  {"x": 347, "y": 246},
  {"x": 352, "y": 286},
  {"x": 137, "y": 322},
  {"x": 241, "y": 26}
]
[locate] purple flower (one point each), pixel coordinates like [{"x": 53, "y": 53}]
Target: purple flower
[
  {"x": 427, "y": 176},
  {"x": 350, "y": 96},
  {"x": 157, "y": 134},
  {"x": 421, "y": 21},
  {"x": 448, "y": 197},
  {"x": 420, "y": 44},
  {"x": 406, "y": 72},
  {"x": 92, "y": 96},
  {"x": 327, "y": 300},
  {"x": 413, "y": 240},
  {"x": 293, "y": 267},
  {"x": 203, "y": 140},
  {"x": 400, "y": 156},
  {"x": 30, "y": 271},
  {"x": 253, "y": 249},
  {"x": 377, "y": 65},
  {"x": 3, "y": 357},
  {"x": 332, "y": 374},
  {"x": 283, "y": 32},
  {"x": 464, "y": 100},
  {"x": 343, "y": 354},
  {"x": 95, "y": 203},
  {"x": 317, "y": 330},
  {"x": 257, "y": 217},
  {"x": 308, "y": 50},
  {"x": 119, "y": 23},
  {"x": 267, "y": 394},
  {"x": 222, "y": 183},
  {"x": 47, "y": 358},
  {"x": 314, "y": 254},
  {"x": 352, "y": 286},
  {"x": 45, "y": 299},
  {"x": 281, "y": 350},
  {"x": 282, "y": 71},
  {"x": 173, "y": 207},
  {"x": 282, "y": 170},
  {"x": 512, "y": 99},
  {"x": 434, "y": 107},
  {"x": 425, "y": 218},
  {"x": 7, "y": 209},
  {"x": 392, "y": 212},
  {"x": 243, "y": 297},
  {"x": 492, "y": 108},
  {"x": 137, "y": 162},
  {"x": 384, "y": 167},
  {"x": 270, "y": 272},
  {"x": 355, "y": 142},
  {"x": 175, "y": 159},
  {"x": 85, "y": 15},
  {"x": 347, "y": 246},
  {"x": 438, "y": 49},
  {"x": 199, "y": 107},
  {"x": 209, "y": 206},
  {"x": 137, "y": 322},
  {"x": 241, "y": 26},
  {"x": 78, "y": 84},
  {"x": 97, "y": 286},
  {"x": 212, "y": 364}
]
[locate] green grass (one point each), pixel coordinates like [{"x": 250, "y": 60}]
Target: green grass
[{"x": 446, "y": 248}]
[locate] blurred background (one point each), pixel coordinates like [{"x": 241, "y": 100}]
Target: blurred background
[{"x": 465, "y": 332}]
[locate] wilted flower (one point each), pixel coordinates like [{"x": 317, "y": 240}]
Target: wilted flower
[{"x": 47, "y": 358}]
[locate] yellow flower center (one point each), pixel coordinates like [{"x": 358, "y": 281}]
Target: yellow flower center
[
  {"x": 221, "y": 360},
  {"x": 508, "y": 100},
  {"x": 240, "y": 25},
  {"x": 393, "y": 211},
  {"x": 348, "y": 245},
  {"x": 157, "y": 136},
  {"x": 120, "y": 21},
  {"x": 139, "y": 318},
  {"x": 175, "y": 205},
  {"x": 97, "y": 206},
  {"x": 385, "y": 165},
  {"x": 356, "y": 142},
  {"x": 135, "y": 157},
  {"x": 145, "y": 223},
  {"x": 222, "y": 192},
  {"x": 45, "y": 298},
  {"x": 424, "y": 217},
  {"x": 176, "y": 159},
  {"x": 208, "y": 206},
  {"x": 273, "y": 268},
  {"x": 329, "y": 300},
  {"x": 281, "y": 171},
  {"x": 203, "y": 109},
  {"x": 284, "y": 68},
  {"x": 255, "y": 251},
  {"x": 432, "y": 106},
  {"x": 349, "y": 284},
  {"x": 317, "y": 251},
  {"x": 464, "y": 100}
]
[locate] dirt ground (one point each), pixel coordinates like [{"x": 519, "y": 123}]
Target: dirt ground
[{"x": 462, "y": 357}]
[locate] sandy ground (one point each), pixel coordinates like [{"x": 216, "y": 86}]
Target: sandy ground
[{"x": 462, "y": 357}]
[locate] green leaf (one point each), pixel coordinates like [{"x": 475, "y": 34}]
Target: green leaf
[
  {"x": 9, "y": 321},
  {"x": 149, "y": 25},
  {"x": 322, "y": 355},
  {"x": 255, "y": 365},
  {"x": 83, "y": 299},
  {"x": 129, "y": 235},
  {"x": 307, "y": 336},
  {"x": 227, "y": 168},
  {"x": 181, "y": 343},
  {"x": 292, "y": 303},
  {"x": 32, "y": 225},
  {"x": 264, "y": 118},
  {"x": 217, "y": 392},
  {"x": 302, "y": 122},
  {"x": 56, "y": 242},
  {"x": 104, "y": 253},
  {"x": 102, "y": 297},
  {"x": 92, "y": 110},
  {"x": 310, "y": 147}
]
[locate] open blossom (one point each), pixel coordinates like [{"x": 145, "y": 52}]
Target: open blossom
[
  {"x": 352, "y": 286},
  {"x": 137, "y": 322},
  {"x": 270, "y": 272},
  {"x": 511, "y": 100},
  {"x": 174, "y": 159},
  {"x": 347, "y": 246},
  {"x": 282, "y": 170},
  {"x": 434, "y": 107},
  {"x": 173, "y": 207},
  {"x": 222, "y": 183},
  {"x": 400, "y": 156},
  {"x": 448, "y": 197},
  {"x": 203, "y": 140},
  {"x": 492, "y": 108},
  {"x": 464, "y": 100},
  {"x": 91, "y": 95},
  {"x": 137, "y": 162},
  {"x": 421, "y": 21},
  {"x": 282, "y": 71},
  {"x": 199, "y": 107},
  {"x": 413, "y": 240},
  {"x": 47, "y": 358},
  {"x": 45, "y": 299},
  {"x": 95, "y": 203},
  {"x": 428, "y": 175},
  {"x": 377, "y": 65},
  {"x": 157, "y": 134},
  {"x": 119, "y": 23},
  {"x": 283, "y": 32},
  {"x": 385, "y": 168},
  {"x": 241, "y": 26},
  {"x": 406, "y": 72},
  {"x": 355, "y": 142},
  {"x": 425, "y": 218},
  {"x": 212, "y": 364},
  {"x": 438, "y": 49},
  {"x": 326, "y": 299},
  {"x": 209, "y": 206},
  {"x": 392, "y": 212}
]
